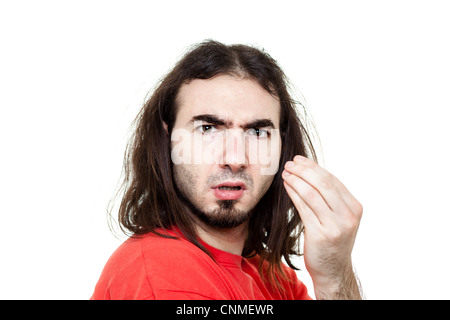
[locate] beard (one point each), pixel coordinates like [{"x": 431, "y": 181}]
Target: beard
[{"x": 224, "y": 216}]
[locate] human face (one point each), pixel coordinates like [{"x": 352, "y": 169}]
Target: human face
[{"x": 225, "y": 147}]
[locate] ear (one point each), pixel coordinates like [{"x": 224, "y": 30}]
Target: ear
[{"x": 165, "y": 127}]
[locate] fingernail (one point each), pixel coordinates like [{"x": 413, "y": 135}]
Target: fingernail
[
  {"x": 285, "y": 173},
  {"x": 289, "y": 164}
]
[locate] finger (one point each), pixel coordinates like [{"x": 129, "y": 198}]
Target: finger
[
  {"x": 306, "y": 214},
  {"x": 348, "y": 197},
  {"x": 310, "y": 196},
  {"x": 325, "y": 183}
]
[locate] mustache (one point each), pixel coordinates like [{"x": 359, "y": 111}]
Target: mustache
[{"x": 228, "y": 175}]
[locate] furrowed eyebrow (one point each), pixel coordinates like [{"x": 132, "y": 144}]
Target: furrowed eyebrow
[
  {"x": 260, "y": 123},
  {"x": 214, "y": 120},
  {"x": 209, "y": 118}
]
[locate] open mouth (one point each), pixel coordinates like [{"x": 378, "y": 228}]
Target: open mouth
[{"x": 229, "y": 188}]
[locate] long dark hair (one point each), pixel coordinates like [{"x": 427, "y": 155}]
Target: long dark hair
[{"x": 150, "y": 201}]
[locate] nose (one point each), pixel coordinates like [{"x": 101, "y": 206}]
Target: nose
[{"x": 234, "y": 154}]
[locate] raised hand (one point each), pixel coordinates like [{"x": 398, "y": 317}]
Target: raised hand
[{"x": 331, "y": 217}]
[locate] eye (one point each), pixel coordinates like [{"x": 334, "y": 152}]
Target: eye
[
  {"x": 258, "y": 132},
  {"x": 206, "y": 128}
]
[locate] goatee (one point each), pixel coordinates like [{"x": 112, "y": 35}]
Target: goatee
[{"x": 226, "y": 216}]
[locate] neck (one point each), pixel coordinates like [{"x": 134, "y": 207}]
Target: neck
[{"x": 228, "y": 240}]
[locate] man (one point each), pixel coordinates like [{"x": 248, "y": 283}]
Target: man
[{"x": 220, "y": 181}]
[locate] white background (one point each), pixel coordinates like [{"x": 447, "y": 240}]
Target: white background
[{"x": 73, "y": 74}]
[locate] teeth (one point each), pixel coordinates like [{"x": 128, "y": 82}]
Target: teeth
[{"x": 230, "y": 188}]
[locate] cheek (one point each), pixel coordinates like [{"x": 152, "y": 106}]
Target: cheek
[
  {"x": 201, "y": 150},
  {"x": 191, "y": 180},
  {"x": 266, "y": 183},
  {"x": 181, "y": 147},
  {"x": 266, "y": 155},
  {"x": 191, "y": 149},
  {"x": 262, "y": 183},
  {"x": 206, "y": 149}
]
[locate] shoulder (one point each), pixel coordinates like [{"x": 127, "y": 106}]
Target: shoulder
[
  {"x": 124, "y": 275},
  {"x": 156, "y": 267}
]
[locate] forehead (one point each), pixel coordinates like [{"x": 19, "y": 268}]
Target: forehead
[{"x": 238, "y": 100}]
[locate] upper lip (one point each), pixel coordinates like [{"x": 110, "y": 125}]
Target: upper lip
[{"x": 231, "y": 184}]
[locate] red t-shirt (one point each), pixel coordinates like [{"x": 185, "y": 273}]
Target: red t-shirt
[{"x": 154, "y": 267}]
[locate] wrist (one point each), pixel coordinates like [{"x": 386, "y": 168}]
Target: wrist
[{"x": 340, "y": 286}]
